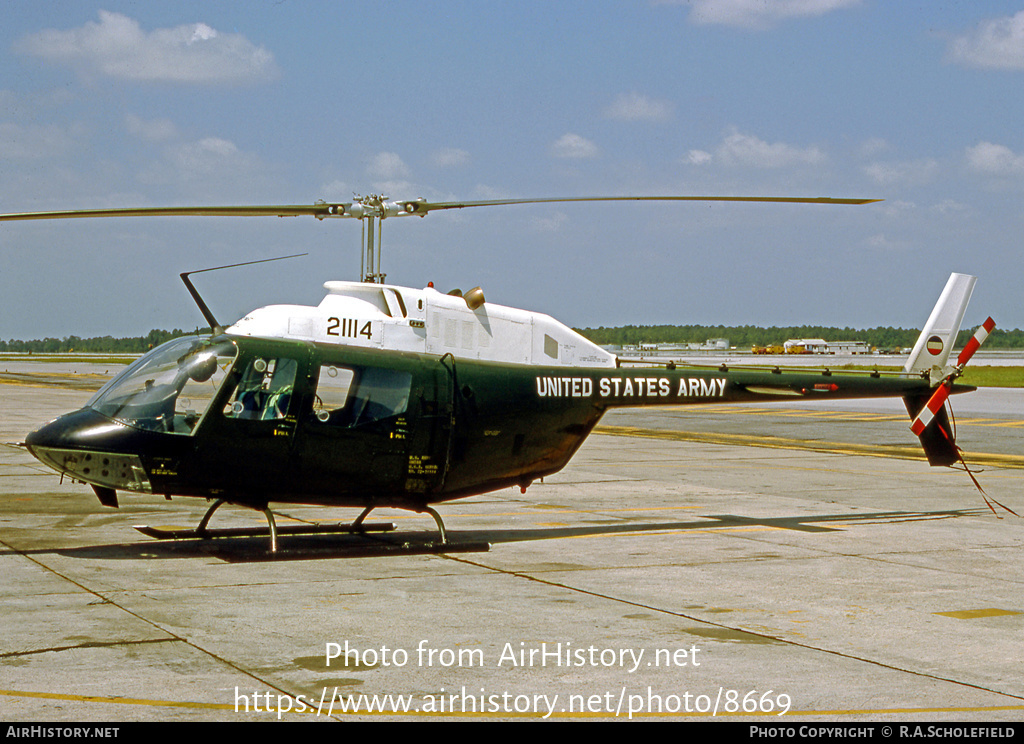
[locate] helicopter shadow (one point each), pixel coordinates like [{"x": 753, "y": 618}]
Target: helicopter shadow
[{"x": 346, "y": 546}]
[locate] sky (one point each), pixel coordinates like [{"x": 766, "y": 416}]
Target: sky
[{"x": 144, "y": 103}]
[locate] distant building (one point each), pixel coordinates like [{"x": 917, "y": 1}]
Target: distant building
[
  {"x": 821, "y": 346},
  {"x": 849, "y": 347},
  {"x": 806, "y": 346}
]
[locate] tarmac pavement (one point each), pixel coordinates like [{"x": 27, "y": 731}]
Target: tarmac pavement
[{"x": 656, "y": 577}]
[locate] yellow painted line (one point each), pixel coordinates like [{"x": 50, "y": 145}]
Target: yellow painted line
[
  {"x": 543, "y": 510},
  {"x": 891, "y": 711},
  {"x": 972, "y": 614},
  {"x": 117, "y": 700},
  {"x": 504, "y": 715},
  {"x": 710, "y": 529},
  {"x": 86, "y": 381},
  {"x": 843, "y": 448},
  {"x": 832, "y": 415},
  {"x": 835, "y": 415},
  {"x": 48, "y": 386}
]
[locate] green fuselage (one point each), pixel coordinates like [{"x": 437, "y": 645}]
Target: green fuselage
[{"x": 291, "y": 421}]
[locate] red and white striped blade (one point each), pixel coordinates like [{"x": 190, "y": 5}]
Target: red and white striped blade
[
  {"x": 976, "y": 340},
  {"x": 938, "y": 399},
  {"x": 932, "y": 407}
]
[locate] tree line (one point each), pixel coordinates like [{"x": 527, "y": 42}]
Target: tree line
[
  {"x": 739, "y": 336},
  {"x": 97, "y": 344},
  {"x": 747, "y": 336}
]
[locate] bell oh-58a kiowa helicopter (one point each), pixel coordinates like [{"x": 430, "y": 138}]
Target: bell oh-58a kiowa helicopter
[{"x": 387, "y": 396}]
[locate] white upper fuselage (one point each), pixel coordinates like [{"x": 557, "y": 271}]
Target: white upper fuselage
[{"x": 383, "y": 316}]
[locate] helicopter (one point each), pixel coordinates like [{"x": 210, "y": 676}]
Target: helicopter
[{"x": 389, "y": 396}]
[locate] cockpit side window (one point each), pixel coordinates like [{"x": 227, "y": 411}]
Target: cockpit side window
[
  {"x": 347, "y": 397},
  {"x": 265, "y": 390},
  {"x": 169, "y": 389},
  {"x": 202, "y": 382}
]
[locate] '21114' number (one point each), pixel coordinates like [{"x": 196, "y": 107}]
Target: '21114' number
[{"x": 348, "y": 327}]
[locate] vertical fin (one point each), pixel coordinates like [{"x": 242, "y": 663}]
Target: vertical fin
[{"x": 939, "y": 334}]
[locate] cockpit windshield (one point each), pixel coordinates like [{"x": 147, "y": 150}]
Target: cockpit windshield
[{"x": 170, "y": 388}]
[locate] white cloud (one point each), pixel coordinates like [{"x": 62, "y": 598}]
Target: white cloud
[
  {"x": 117, "y": 47},
  {"x": 882, "y": 242},
  {"x": 398, "y": 188},
  {"x": 449, "y": 157},
  {"x": 986, "y": 157},
  {"x": 698, "y": 157},
  {"x": 387, "y": 166},
  {"x": 637, "y": 107},
  {"x": 573, "y": 146},
  {"x": 746, "y": 150},
  {"x": 153, "y": 130},
  {"x": 873, "y": 146},
  {"x": 552, "y": 223},
  {"x": 30, "y": 142},
  {"x": 759, "y": 14},
  {"x": 949, "y": 206},
  {"x": 336, "y": 191},
  {"x": 484, "y": 191},
  {"x": 997, "y": 44},
  {"x": 207, "y": 156},
  {"x": 905, "y": 172},
  {"x": 211, "y": 163}
]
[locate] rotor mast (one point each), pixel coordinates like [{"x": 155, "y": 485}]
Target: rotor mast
[{"x": 375, "y": 208}]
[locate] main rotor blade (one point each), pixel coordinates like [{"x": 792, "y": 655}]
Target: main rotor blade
[
  {"x": 426, "y": 206},
  {"x": 320, "y": 211},
  {"x": 366, "y": 208}
]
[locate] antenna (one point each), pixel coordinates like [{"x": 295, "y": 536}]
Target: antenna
[{"x": 216, "y": 327}]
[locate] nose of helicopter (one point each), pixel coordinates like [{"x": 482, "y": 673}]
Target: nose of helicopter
[{"x": 90, "y": 447}]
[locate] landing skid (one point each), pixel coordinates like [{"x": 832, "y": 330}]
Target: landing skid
[
  {"x": 174, "y": 533},
  {"x": 359, "y": 526},
  {"x": 361, "y": 549}
]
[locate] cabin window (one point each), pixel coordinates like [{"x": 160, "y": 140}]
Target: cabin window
[
  {"x": 347, "y": 397},
  {"x": 265, "y": 390},
  {"x": 332, "y": 389}
]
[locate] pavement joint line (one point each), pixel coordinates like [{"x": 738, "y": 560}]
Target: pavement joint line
[
  {"x": 172, "y": 636},
  {"x": 92, "y": 644}
]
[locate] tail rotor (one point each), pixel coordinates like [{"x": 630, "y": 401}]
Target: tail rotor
[
  {"x": 931, "y": 424},
  {"x": 938, "y": 398}
]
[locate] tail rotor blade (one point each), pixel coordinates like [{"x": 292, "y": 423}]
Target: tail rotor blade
[
  {"x": 976, "y": 340},
  {"x": 938, "y": 399},
  {"x": 932, "y": 407}
]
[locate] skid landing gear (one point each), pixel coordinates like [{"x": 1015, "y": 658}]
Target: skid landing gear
[{"x": 358, "y": 526}]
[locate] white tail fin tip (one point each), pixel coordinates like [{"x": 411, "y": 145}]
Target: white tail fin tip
[{"x": 936, "y": 340}]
